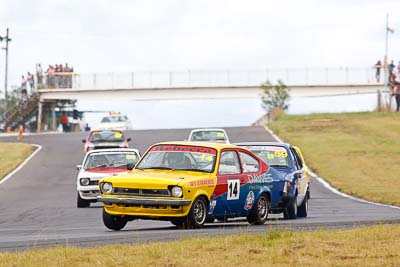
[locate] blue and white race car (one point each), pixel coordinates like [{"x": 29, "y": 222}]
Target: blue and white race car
[{"x": 286, "y": 159}]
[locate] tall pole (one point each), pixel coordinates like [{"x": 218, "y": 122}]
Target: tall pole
[
  {"x": 7, "y": 39},
  {"x": 385, "y": 63}
]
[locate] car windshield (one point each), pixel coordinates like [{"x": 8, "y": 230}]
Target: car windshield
[
  {"x": 114, "y": 119},
  {"x": 210, "y": 136},
  {"x": 179, "y": 157},
  {"x": 108, "y": 136},
  {"x": 274, "y": 156},
  {"x": 112, "y": 159}
]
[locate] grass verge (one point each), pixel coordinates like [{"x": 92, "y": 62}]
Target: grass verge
[
  {"x": 365, "y": 246},
  {"x": 357, "y": 153},
  {"x": 11, "y": 155}
]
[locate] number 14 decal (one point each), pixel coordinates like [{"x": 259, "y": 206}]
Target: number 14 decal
[{"x": 233, "y": 189}]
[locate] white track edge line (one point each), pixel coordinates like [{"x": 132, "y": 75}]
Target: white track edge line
[
  {"x": 8, "y": 176},
  {"x": 329, "y": 187}
]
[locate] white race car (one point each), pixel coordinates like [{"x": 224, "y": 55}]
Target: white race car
[
  {"x": 209, "y": 135},
  {"x": 98, "y": 164},
  {"x": 115, "y": 121}
]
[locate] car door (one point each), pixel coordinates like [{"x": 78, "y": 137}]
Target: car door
[
  {"x": 230, "y": 179},
  {"x": 302, "y": 178}
]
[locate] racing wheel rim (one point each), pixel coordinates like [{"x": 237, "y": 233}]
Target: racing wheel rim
[
  {"x": 262, "y": 208},
  {"x": 199, "y": 211}
]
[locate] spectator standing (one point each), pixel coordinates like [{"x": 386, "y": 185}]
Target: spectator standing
[
  {"x": 378, "y": 67},
  {"x": 24, "y": 92},
  {"x": 50, "y": 76},
  {"x": 64, "y": 122},
  {"x": 391, "y": 68},
  {"x": 29, "y": 78},
  {"x": 39, "y": 75}
]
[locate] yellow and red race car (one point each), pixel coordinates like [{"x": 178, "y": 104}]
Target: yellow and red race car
[{"x": 189, "y": 184}]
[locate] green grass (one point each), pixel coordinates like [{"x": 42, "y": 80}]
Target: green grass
[
  {"x": 11, "y": 155},
  {"x": 366, "y": 246},
  {"x": 357, "y": 153}
]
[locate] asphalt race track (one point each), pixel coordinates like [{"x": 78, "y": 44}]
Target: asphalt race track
[{"x": 38, "y": 204}]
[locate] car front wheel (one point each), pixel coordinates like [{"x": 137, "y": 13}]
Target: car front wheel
[
  {"x": 197, "y": 215},
  {"x": 303, "y": 209},
  {"x": 82, "y": 203},
  {"x": 115, "y": 223}
]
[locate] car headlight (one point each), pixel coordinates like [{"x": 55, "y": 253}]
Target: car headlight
[
  {"x": 106, "y": 188},
  {"x": 85, "y": 181},
  {"x": 176, "y": 191}
]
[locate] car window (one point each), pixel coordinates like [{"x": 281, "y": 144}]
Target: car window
[
  {"x": 179, "y": 157},
  {"x": 274, "y": 156},
  {"x": 249, "y": 163},
  {"x": 229, "y": 163},
  {"x": 298, "y": 161},
  {"x": 109, "y": 136},
  {"x": 115, "y": 159},
  {"x": 211, "y": 136}
]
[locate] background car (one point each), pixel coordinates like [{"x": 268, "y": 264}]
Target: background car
[
  {"x": 285, "y": 158},
  {"x": 209, "y": 135},
  {"x": 115, "y": 121},
  {"x": 98, "y": 164},
  {"x": 190, "y": 183},
  {"x": 98, "y": 139}
]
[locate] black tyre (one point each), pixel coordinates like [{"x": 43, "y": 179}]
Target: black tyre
[
  {"x": 259, "y": 213},
  {"x": 291, "y": 211},
  {"x": 303, "y": 209},
  {"x": 115, "y": 223},
  {"x": 82, "y": 203},
  {"x": 197, "y": 215},
  {"x": 178, "y": 222}
]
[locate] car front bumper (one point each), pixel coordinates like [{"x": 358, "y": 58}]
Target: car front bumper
[{"x": 143, "y": 201}]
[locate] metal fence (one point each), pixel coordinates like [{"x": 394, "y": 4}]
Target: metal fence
[{"x": 220, "y": 78}]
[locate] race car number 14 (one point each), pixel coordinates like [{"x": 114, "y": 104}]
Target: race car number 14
[{"x": 233, "y": 189}]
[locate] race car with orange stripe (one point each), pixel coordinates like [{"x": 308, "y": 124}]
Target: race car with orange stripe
[{"x": 191, "y": 183}]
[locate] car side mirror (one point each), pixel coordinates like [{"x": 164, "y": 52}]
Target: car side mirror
[
  {"x": 129, "y": 139},
  {"x": 130, "y": 166},
  {"x": 78, "y": 167},
  {"x": 83, "y": 141}
]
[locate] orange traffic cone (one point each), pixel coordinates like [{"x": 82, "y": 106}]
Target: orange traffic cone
[{"x": 21, "y": 133}]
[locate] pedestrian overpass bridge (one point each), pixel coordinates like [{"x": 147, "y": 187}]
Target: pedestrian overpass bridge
[{"x": 189, "y": 85}]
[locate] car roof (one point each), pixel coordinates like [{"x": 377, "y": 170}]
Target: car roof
[
  {"x": 105, "y": 130},
  {"x": 208, "y": 129},
  {"x": 201, "y": 144},
  {"x": 113, "y": 150},
  {"x": 285, "y": 145}
]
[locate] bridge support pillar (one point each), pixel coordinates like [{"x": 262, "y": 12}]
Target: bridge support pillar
[
  {"x": 39, "y": 119},
  {"x": 53, "y": 118}
]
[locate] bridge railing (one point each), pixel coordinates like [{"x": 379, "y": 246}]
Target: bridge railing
[{"x": 216, "y": 78}]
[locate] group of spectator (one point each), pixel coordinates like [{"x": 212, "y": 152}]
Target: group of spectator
[
  {"x": 57, "y": 76},
  {"x": 393, "y": 79}
]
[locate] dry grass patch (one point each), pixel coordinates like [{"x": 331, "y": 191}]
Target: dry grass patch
[
  {"x": 358, "y": 153},
  {"x": 367, "y": 246},
  {"x": 11, "y": 155}
]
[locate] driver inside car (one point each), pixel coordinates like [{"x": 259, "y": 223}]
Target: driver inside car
[{"x": 178, "y": 160}]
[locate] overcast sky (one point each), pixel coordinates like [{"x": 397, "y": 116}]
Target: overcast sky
[{"x": 128, "y": 35}]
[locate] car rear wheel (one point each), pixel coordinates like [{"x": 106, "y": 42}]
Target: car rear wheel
[
  {"x": 82, "y": 203},
  {"x": 291, "y": 211},
  {"x": 259, "y": 213},
  {"x": 115, "y": 223},
  {"x": 303, "y": 209}
]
